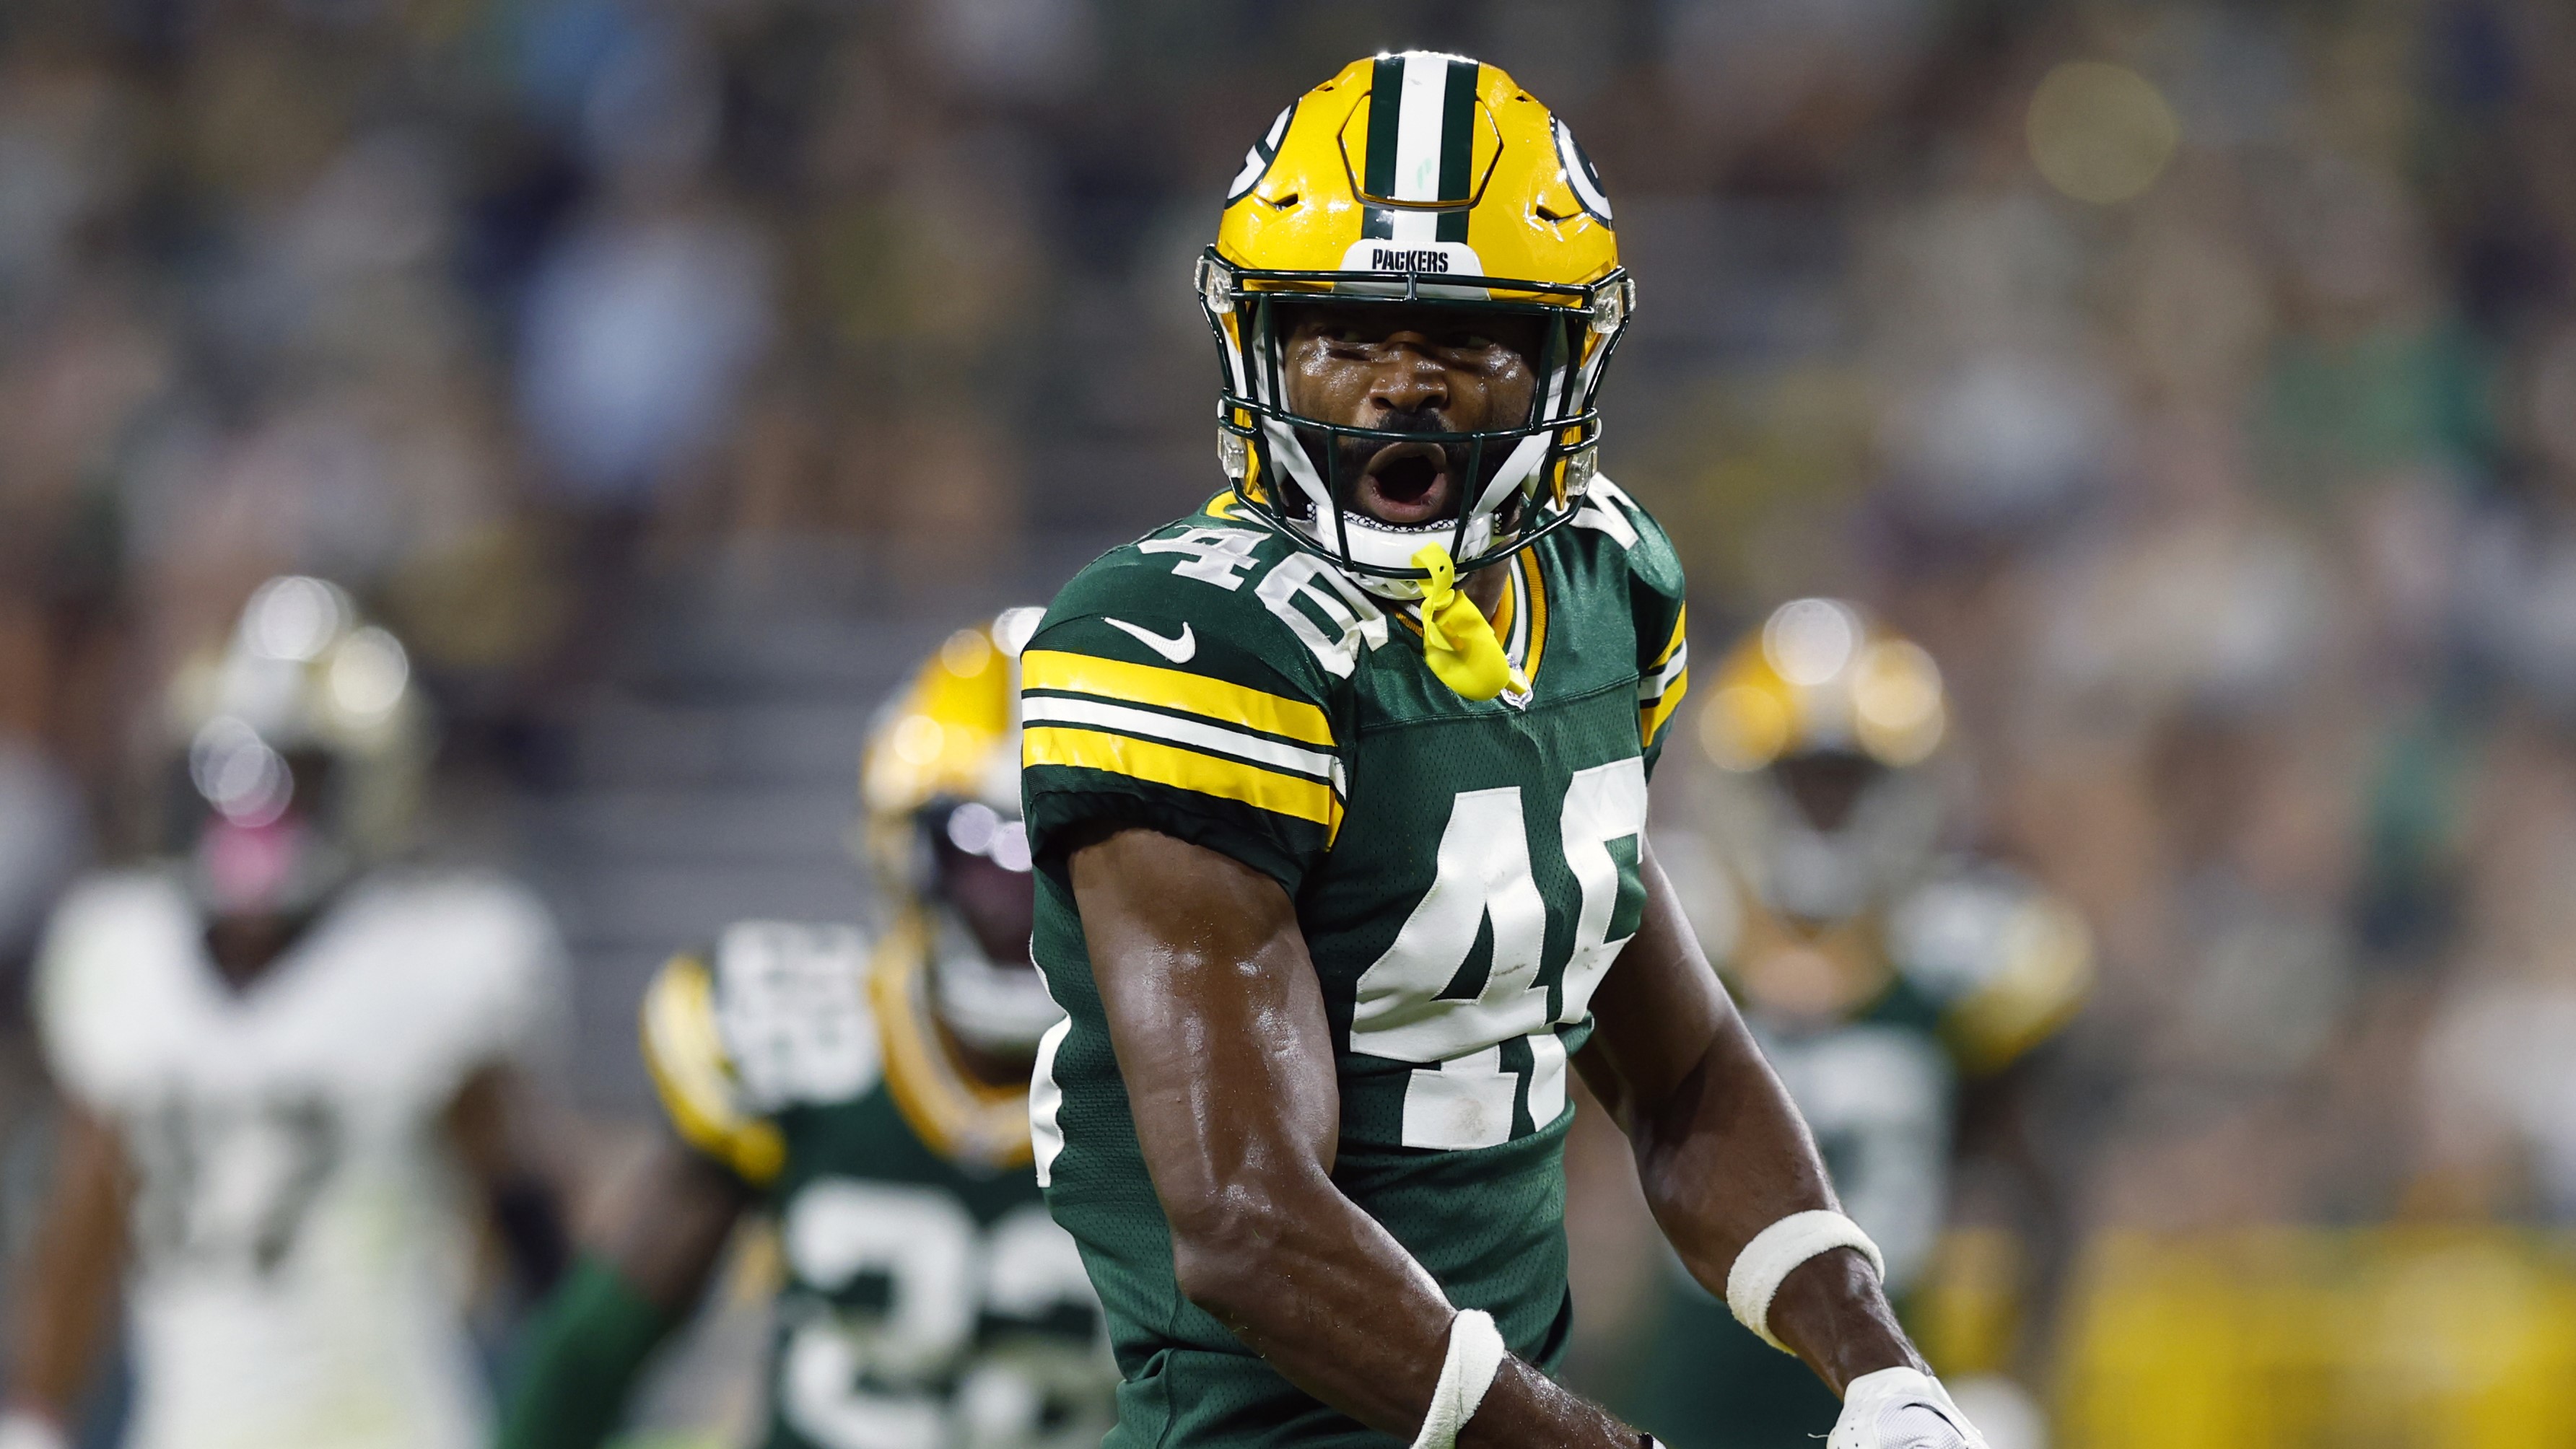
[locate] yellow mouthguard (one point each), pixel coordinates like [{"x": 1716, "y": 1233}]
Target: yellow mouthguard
[{"x": 1457, "y": 642}]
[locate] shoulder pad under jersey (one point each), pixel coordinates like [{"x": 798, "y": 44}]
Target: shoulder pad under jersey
[
  {"x": 2005, "y": 962},
  {"x": 1186, "y": 682},
  {"x": 109, "y": 978},
  {"x": 775, "y": 1016},
  {"x": 1656, "y": 599},
  {"x": 482, "y": 963}
]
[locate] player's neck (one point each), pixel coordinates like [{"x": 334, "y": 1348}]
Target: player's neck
[
  {"x": 245, "y": 948},
  {"x": 1484, "y": 589},
  {"x": 991, "y": 1069}
]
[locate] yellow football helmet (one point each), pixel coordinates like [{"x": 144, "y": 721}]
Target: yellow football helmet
[
  {"x": 940, "y": 830},
  {"x": 1416, "y": 179},
  {"x": 1819, "y": 677},
  {"x": 1819, "y": 721}
]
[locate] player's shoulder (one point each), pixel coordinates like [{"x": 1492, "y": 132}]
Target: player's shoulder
[
  {"x": 1217, "y": 593},
  {"x": 115, "y": 908},
  {"x": 470, "y": 948},
  {"x": 457, "y": 919},
  {"x": 1617, "y": 528},
  {"x": 2005, "y": 961},
  {"x": 1219, "y": 546},
  {"x": 111, "y": 981},
  {"x": 771, "y": 1015}
]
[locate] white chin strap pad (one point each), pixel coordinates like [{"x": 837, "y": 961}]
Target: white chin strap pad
[
  {"x": 1475, "y": 1356},
  {"x": 1776, "y": 1251},
  {"x": 1901, "y": 1408}
]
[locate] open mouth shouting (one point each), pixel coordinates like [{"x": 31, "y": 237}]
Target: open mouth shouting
[{"x": 1408, "y": 485}]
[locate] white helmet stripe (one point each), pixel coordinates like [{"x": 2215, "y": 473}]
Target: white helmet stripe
[
  {"x": 1289, "y": 456},
  {"x": 1424, "y": 102},
  {"x": 1525, "y": 459}
]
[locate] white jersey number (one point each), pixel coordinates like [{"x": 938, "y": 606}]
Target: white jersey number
[
  {"x": 983, "y": 1311},
  {"x": 1463, "y": 1096}
]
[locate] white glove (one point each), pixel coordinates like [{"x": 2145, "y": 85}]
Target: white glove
[{"x": 1901, "y": 1408}]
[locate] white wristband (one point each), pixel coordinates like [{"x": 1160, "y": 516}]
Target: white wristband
[
  {"x": 1776, "y": 1251},
  {"x": 1475, "y": 1356}
]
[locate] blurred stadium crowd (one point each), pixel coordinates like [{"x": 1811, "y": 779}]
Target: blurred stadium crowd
[{"x": 2196, "y": 382}]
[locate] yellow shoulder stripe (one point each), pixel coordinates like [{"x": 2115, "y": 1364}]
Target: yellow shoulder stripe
[
  {"x": 1651, "y": 718},
  {"x": 1174, "y": 689},
  {"x": 686, "y": 1055},
  {"x": 1681, "y": 622},
  {"x": 1306, "y": 799}
]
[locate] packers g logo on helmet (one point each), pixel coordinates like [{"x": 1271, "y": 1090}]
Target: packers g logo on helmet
[{"x": 1416, "y": 179}]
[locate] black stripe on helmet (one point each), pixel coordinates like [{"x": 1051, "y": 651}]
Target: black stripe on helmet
[{"x": 1386, "y": 107}]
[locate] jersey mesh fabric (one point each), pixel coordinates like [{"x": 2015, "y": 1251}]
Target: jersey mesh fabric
[{"x": 1462, "y": 871}]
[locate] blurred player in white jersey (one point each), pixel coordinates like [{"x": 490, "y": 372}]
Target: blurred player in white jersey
[{"x": 290, "y": 1072}]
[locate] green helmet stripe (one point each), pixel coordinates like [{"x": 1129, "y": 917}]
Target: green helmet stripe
[
  {"x": 1457, "y": 146},
  {"x": 1386, "y": 112}
]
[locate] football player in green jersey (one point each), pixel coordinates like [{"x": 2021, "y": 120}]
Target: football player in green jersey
[
  {"x": 1337, "y": 794},
  {"x": 1892, "y": 985},
  {"x": 872, "y": 1096}
]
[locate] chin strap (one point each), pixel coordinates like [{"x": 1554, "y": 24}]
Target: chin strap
[{"x": 1457, "y": 641}]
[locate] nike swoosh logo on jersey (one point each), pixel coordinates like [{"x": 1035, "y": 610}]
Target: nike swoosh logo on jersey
[{"x": 1179, "y": 648}]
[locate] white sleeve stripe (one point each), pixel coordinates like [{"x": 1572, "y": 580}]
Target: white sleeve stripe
[
  {"x": 1046, "y": 1102},
  {"x": 1605, "y": 517},
  {"x": 1058, "y": 710},
  {"x": 1653, "y": 686}
]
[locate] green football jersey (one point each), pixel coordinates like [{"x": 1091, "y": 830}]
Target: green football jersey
[
  {"x": 1464, "y": 872},
  {"x": 930, "y": 1302}
]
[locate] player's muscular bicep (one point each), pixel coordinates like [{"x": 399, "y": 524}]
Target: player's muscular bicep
[
  {"x": 1214, "y": 1013},
  {"x": 1219, "y": 1027}
]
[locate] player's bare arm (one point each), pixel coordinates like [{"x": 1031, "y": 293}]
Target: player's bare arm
[
  {"x": 494, "y": 1126},
  {"x": 1721, "y": 1152},
  {"x": 670, "y": 1223},
  {"x": 60, "y": 1324},
  {"x": 1221, "y": 1035},
  {"x": 646, "y": 1263}
]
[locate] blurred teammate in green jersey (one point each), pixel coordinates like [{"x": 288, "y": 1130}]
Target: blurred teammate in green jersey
[
  {"x": 1894, "y": 985},
  {"x": 869, "y": 1093}
]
